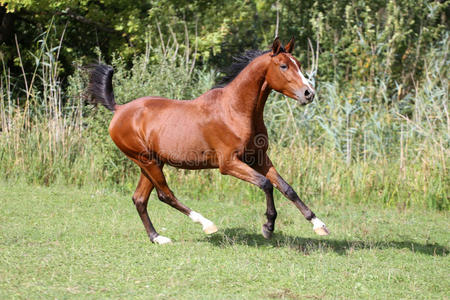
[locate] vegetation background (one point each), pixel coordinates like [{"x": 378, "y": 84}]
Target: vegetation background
[
  {"x": 378, "y": 131},
  {"x": 370, "y": 155}
]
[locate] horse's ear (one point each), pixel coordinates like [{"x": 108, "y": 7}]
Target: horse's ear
[
  {"x": 290, "y": 45},
  {"x": 276, "y": 46}
]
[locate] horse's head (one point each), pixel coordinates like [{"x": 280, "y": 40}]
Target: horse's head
[{"x": 285, "y": 76}]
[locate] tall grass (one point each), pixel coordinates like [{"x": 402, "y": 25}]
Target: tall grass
[{"x": 344, "y": 146}]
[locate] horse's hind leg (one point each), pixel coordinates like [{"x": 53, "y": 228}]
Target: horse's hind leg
[
  {"x": 154, "y": 172},
  {"x": 140, "y": 199}
]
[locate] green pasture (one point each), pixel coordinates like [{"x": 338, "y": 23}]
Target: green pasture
[{"x": 65, "y": 242}]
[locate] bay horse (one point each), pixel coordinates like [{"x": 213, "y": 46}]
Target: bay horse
[{"x": 222, "y": 128}]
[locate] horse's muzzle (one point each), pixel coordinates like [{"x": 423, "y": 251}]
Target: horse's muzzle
[{"x": 305, "y": 95}]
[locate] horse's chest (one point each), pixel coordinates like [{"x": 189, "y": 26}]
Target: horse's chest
[{"x": 255, "y": 143}]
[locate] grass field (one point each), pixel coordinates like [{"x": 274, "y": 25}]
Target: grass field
[{"x": 66, "y": 242}]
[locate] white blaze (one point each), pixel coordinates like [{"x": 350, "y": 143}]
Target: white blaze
[{"x": 304, "y": 80}]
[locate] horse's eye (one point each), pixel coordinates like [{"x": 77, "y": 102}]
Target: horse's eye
[{"x": 283, "y": 67}]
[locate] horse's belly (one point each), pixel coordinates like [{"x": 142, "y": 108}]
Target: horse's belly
[
  {"x": 187, "y": 153},
  {"x": 191, "y": 159}
]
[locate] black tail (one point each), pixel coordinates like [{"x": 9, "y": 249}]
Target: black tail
[{"x": 100, "y": 86}]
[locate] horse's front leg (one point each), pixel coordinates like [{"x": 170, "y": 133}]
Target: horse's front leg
[
  {"x": 241, "y": 170},
  {"x": 271, "y": 173},
  {"x": 271, "y": 212}
]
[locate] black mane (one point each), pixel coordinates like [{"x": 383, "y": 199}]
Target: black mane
[{"x": 239, "y": 63}]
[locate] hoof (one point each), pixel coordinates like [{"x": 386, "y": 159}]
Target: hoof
[
  {"x": 267, "y": 234},
  {"x": 210, "y": 229},
  {"x": 319, "y": 227},
  {"x": 161, "y": 240},
  {"x": 322, "y": 231}
]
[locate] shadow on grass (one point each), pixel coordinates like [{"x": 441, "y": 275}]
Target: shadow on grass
[{"x": 241, "y": 236}]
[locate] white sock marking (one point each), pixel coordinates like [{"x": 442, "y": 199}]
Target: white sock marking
[
  {"x": 198, "y": 218},
  {"x": 317, "y": 223},
  {"x": 162, "y": 240}
]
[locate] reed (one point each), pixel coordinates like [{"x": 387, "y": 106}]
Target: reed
[{"x": 346, "y": 146}]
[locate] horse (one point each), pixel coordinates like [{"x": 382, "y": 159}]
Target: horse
[{"x": 222, "y": 128}]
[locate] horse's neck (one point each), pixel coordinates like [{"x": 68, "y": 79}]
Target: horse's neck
[
  {"x": 247, "y": 93},
  {"x": 262, "y": 98}
]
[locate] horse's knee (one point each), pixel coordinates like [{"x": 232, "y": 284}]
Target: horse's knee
[
  {"x": 290, "y": 193},
  {"x": 266, "y": 186},
  {"x": 164, "y": 197},
  {"x": 135, "y": 199},
  {"x": 140, "y": 203}
]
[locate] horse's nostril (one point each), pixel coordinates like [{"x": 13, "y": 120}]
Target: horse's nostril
[{"x": 309, "y": 95}]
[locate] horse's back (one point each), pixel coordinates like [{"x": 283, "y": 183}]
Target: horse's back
[{"x": 160, "y": 125}]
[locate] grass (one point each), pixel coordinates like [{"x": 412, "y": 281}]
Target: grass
[{"x": 65, "y": 242}]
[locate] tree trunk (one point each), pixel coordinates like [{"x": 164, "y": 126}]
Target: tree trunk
[{"x": 6, "y": 26}]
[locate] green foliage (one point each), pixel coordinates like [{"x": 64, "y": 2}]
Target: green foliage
[
  {"x": 372, "y": 40},
  {"x": 381, "y": 70},
  {"x": 358, "y": 41},
  {"x": 344, "y": 145}
]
